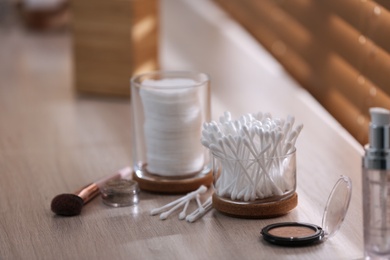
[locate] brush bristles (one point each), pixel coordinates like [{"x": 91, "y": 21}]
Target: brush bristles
[{"x": 67, "y": 204}]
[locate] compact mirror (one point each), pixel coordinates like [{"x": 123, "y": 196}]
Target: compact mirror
[{"x": 301, "y": 234}]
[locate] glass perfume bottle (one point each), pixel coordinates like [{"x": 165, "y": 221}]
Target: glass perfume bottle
[{"x": 376, "y": 187}]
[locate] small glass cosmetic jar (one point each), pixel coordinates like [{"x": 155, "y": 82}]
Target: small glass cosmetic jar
[
  {"x": 120, "y": 193},
  {"x": 168, "y": 110},
  {"x": 303, "y": 234},
  {"x": 255, "y": 188}
]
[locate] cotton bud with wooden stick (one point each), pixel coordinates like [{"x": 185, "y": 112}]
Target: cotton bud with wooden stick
[{"x": 256, "y": 155}]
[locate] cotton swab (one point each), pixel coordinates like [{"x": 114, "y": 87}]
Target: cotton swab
[
  {"x": 166, "y": 214},
  {"x": 202, "y": 189},
  {"x": 182, "y": 214},
  {"x": 200, "y": 207},
  {"x": 167, "y": 206},
  {"x": 199, "y": 213},
  {"x": 171, "y": 207}
]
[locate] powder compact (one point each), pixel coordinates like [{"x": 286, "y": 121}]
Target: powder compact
[{"x": 302, "y": 234}]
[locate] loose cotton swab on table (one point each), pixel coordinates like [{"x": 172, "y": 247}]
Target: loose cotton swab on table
[
  {"x": 171, "y": 207},
  {"x": 202, "y": 189},
  {"x": 198, "y": 213}
]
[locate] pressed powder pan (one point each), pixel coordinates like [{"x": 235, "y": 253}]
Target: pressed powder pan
[
  {"x": 301, "y": 234},
  {"x": 292, "y": 233}
]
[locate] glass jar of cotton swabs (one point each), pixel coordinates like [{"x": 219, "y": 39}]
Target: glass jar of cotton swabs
[{"x": 254, "y": 164}]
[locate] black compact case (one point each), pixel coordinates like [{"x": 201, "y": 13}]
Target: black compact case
[{"x": 303, "y": 234}]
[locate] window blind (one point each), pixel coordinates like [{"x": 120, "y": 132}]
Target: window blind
[{"x": 338, "y": 50}]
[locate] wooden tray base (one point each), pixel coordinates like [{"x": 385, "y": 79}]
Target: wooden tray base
[
  {"x": 255, "y": 210},
  {"x": 169, "y": 185}
]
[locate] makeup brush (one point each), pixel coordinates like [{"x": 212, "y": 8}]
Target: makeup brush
[{"x": 70, "y": 204}]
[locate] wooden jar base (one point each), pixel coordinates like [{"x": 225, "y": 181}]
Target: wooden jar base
[
  {"x": 169, "y": 185},
  {"x": 255, "y": 210}
]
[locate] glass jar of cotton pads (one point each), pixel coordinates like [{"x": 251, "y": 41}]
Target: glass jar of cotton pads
[
  {"x": 254, "y": 164},
  {"x": 168, "y": 110}
]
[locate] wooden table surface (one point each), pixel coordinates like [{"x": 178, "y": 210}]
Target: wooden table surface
[{"x": 54, "y": 141}]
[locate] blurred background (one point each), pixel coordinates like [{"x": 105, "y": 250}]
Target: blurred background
[{"x": 339, "y": 51}]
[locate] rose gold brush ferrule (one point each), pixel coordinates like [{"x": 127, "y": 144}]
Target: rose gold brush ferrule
[
  {"x": 92, "y": 190},
  {"x": 88, "y": 192}
]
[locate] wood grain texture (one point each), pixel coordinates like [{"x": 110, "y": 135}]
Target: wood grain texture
[
  {"x": 54, "y": 141},
  {"x": 113, "y": 41}
]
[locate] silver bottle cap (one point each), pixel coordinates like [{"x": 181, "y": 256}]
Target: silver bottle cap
[{"x": 378, "y": 151}]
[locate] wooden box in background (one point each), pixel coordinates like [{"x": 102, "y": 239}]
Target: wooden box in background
[{"x": 112, "y": 41}]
